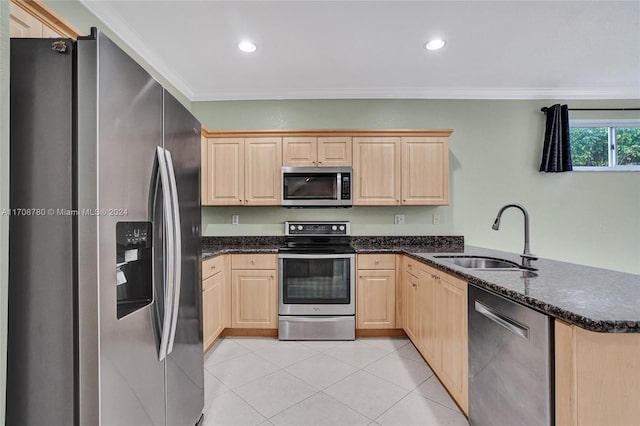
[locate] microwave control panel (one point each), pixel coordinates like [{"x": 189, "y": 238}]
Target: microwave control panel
[{"x": 345, "y": 193}]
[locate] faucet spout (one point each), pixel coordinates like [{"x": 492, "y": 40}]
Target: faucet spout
[{"x": 526, "y": 255}]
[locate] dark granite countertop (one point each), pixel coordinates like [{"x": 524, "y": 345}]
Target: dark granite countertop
[
  {"x": 592, "y": 298},
  {"x": 595, "y": 299}
]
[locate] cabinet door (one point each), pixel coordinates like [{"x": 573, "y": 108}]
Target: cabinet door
[
  {"x": 428, "y": 321},
  {"x": 425, "y": 171},
  {"x": 409, "y": 293},
  {"x": 376, "y": 299},
  {"x": 453, "y": 335},
  {"x": 22, "y": 24},
  {"x": 223, "y": 172},
  {"x": 334, "y": 151},
  {"x": 263, "y": 171},
  {"x": 376, "y": 171},
  {"x": 299, "y": 152},
  {"x": 254, "y": 299},
  {"x": 213, "y": 308}
]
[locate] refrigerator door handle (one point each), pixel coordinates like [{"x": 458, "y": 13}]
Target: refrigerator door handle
[
  {"x": 170, "y": 256},
  {"x": 177, "y": 258}
]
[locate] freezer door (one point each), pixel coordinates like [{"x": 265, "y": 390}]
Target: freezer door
[
  {"x": 40, "y": 345},
  {"x": 132, "y": 378},
  {"x": 184, "y": 368}
]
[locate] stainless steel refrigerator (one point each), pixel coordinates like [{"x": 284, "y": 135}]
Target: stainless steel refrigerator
[{"x": 104, "y": 262}]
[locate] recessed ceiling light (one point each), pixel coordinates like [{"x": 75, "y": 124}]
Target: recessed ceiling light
[
  {"x": 247, "y": 46},
  {"x": 434, "y": 44}
]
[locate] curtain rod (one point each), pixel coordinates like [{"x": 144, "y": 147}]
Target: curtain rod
[{"x": 545, "y": 109}]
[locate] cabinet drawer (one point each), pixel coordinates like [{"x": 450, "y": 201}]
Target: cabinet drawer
[
  {"x": 212, "y": 266},
  {"x": 411, "y": 266},
  {"x": 253, "y": 261},
  {"x": 377, "y": 261}
]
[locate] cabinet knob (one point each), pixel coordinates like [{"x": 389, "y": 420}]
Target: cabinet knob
[
  {"x": 414, "y": 285},
  {"x": 361, "y": 277},
  {"x": 377, "y": 262},
  {"x": 319, "y": 162},
  {"x": 253, "y": 261}
]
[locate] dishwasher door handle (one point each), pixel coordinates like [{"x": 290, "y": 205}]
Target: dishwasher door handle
[{"x": 500, "y": 319}]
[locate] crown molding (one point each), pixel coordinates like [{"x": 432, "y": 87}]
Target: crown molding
[{"x": 496, "y": 93}]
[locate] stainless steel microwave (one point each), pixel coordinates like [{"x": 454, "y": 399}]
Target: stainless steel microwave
[{"x": 317, "y": 186}]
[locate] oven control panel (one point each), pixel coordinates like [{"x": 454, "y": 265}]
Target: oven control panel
[{"x": 317, "y": 228}]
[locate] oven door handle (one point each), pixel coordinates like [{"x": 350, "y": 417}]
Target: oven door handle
[
  {"x": 316, "y": 256},
  {"x": 305, "y": 318}
]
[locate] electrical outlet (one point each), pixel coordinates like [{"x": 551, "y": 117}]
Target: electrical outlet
[
  {"x": 235, "y": 219},
  {"x": 436, "y": 219},
  {"x": 398, "y": 219}
]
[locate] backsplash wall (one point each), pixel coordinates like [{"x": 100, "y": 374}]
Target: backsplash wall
[{"x": 216, "y": 221}]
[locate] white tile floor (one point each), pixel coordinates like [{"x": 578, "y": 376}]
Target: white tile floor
[{"x": 370, "y": 381}]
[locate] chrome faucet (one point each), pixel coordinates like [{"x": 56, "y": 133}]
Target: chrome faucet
[{"x": 527, "y": 256}]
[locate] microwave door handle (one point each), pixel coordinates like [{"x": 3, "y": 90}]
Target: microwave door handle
[{"x": 339, "y": 186}]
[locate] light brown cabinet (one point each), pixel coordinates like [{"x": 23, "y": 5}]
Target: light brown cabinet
[
  {"x": 311, "y": 151},
  {"x": 223, "y": 171},
  {"x": 425, "y": 171},
  {"x": 453, "y": 336},
  {"x": 410, "y": 298},
  {"x": 241, "y": 171},
  {"x": 216, "y": 298},
  {"x": 412, "y": 171},
  {"x": 597, "y": 377},
  {"x": 262, "y": 171},
  {"x": 254, "y": 291},
  {"x": 376, "y": 171},
  {"x": 436, "y": 321},
  {"x": 32, "y": 19},
  {"x": 376, "y": 291}
]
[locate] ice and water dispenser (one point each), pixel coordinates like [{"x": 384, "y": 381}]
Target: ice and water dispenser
[{"x": 134, "y": 267}]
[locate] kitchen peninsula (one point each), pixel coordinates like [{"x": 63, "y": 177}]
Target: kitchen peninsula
[{"x": 597, "y": 321}]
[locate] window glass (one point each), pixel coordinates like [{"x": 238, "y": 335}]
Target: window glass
[
  {"x": 628, "y": 146},
  {"x": 590, "y": 146}
]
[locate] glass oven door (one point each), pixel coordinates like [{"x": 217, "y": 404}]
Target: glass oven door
[{"x": 316, "y": 284}]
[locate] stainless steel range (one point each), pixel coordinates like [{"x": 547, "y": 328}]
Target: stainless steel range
[{"x": 316, "y": 282}]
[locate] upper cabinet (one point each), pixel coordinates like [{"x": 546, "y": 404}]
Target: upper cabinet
[
  {"x": 241, "y": 171},
  {"x": 32, "y": 19},
  {"x": 425, "y": 171},
  {"x": 262, "y": 171},
  {"x": 376, "y": 171},
  {"x": 316, "y": 151},
  {"x": 390, "y": 167}
]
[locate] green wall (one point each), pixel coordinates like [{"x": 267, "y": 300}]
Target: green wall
[
  {"x": 584, "y": 217},
  {"x": 4, "y": 195}
]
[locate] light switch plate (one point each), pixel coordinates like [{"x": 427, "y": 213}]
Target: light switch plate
[
  {"x": 235, "y": 219},
  {"x": 398, "y": 219}
]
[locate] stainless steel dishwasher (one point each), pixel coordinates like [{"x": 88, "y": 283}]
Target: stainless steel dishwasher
[{"x": 510, "y": 363}]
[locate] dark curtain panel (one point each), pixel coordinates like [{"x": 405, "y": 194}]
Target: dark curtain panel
[{"x": 556, "y": 153}]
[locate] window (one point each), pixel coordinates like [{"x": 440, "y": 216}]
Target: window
[{"x": 605, "y": 145}]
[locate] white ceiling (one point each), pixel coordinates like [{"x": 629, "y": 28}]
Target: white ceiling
[{"x": 374, "y": 49}]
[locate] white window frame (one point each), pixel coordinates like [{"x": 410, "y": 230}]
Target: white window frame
[{"x": 613, "y": 149}]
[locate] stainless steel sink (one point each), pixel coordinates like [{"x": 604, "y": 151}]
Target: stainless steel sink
[{"x": 480, "y": 262}]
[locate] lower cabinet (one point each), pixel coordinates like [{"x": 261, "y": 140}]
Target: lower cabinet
[
  {"x": 436, "y": 321},
  {"x": 376, "y": 291},
  {"x": 216, "y": 299},
  {"x": 597, "y": 377},
  {"x": 254, "y": 292}
]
